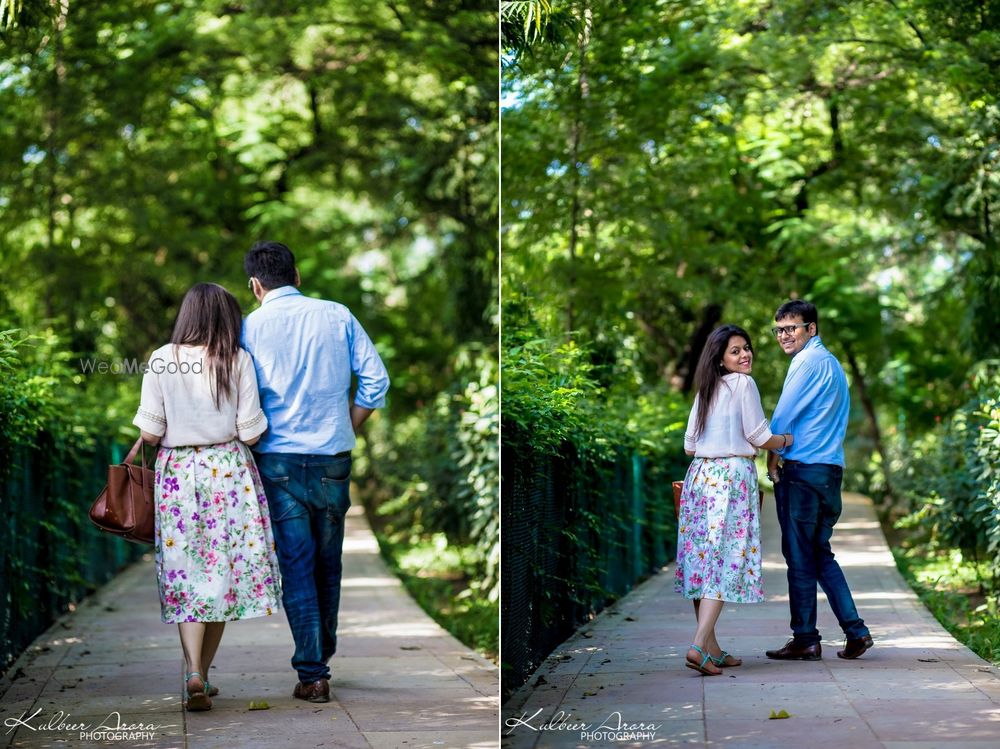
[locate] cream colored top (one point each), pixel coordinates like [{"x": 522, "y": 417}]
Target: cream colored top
[
  {"x": 177, "y": 402},
  {"x": 735, "y": 425}
]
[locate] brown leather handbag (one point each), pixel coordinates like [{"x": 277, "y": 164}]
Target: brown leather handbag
[
  {"x": 125, "y": 507},
  {"x": 679, "y": 485}
]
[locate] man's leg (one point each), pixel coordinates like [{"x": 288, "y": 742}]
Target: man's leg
[
  {"x": 332, "y": 484},
  {"x": 830, "y": 575},
  {"x": 798, "y": 515},
  {"x": 291, "y": 525}
]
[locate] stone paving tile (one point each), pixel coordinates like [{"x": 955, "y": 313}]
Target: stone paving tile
[
  {"x": 916, "y": 685},
  {"x": 792, "y": 733},
  {"x": 407, "y": 679},
  {"x": 431, "y": 740}
]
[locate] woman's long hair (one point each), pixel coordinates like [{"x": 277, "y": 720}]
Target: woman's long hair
[
  {"x": 710, "y": 371},
  {"x": 211, "y": 317}
]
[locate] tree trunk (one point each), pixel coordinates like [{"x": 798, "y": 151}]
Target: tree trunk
[
  {"x": 583, "y": 91},
  {"x": 869, "y": 407}
]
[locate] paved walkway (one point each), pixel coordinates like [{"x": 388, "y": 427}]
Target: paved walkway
[
  {"x": 400, "y": 680},
  {"x": 918, "y": 688}
]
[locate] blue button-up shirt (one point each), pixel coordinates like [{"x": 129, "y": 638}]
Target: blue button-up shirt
[
  {"x": 813, "y": 406},
  {"x": 305, "y": 351}
]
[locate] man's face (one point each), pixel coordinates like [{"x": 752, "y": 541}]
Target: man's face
[{"x": 793, "y": 339}]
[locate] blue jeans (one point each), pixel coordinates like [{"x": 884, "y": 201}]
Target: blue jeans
[
  {"x": 308, "y": 496},
  {"x": 809, "y": 505}
]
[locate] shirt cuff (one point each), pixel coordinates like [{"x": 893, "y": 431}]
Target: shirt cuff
[
  {"x": 252, "y": 427},
  {"x": 147, "y": 421},
  {"x": 374, "y": 403},
  {"x": 760, "y": 435}
]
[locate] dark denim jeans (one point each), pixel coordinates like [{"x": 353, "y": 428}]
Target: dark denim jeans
[
  {"x": 308, "y": 496},
  {"x": 809, "y": 505}
]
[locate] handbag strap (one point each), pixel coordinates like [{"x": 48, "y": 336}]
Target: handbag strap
[{"x": 136, "y": 448}]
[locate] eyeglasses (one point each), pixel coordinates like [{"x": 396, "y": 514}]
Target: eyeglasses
[{"x": 789, "y": 329}]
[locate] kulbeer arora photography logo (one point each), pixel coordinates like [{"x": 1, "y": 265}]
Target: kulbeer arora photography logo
[
  {"x": 57, "y": 725},
  {"x": 135, "y": 366},
  {"x": 611, "y": 730}
]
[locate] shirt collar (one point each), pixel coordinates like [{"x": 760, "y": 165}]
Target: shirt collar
[
  {"x": 278, "y": 293},
  {"x": 813, "y": 342}
]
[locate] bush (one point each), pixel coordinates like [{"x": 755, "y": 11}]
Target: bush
[{"x": 948, "y": 479}]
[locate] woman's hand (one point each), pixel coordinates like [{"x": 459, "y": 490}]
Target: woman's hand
[{"x": 789, "y": 439}]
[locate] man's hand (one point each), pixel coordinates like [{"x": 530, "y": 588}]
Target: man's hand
[
  {"x": 772, "y": 467},
  {"x": 359, "y": 415}
]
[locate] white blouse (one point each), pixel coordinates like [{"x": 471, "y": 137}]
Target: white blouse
[
  {"x": 177, "y": 402},
  {"x": 735, "y": 425}
]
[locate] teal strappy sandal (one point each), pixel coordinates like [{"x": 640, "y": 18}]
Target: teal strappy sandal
[
  {"x": 196, "y": 701},
  {"x": 212, "y": 691},
  {"x": 720, "y": 661},
  {"x": 700, "y": 667}
]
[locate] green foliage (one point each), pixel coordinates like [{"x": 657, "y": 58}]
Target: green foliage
[
  {"x": 145, "y": 146},
  {"x": 436, "y": 573},
  {"x": 951, "y": 588},
  {"x": 949, "y": 476},
  {"x": 438, "y": 470}
]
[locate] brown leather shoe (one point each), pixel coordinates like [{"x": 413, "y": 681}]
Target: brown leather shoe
[
  {"x": 318, "y": 691},
  {"x": 856, "y": 648},
  {"x": 793, "y": 652}
]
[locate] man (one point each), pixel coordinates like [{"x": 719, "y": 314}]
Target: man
[
  {"x": 305, "y": 351},
  {"x": 814, "y": 405}
]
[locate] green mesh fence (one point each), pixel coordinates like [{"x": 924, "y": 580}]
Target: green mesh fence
[
  {"x": 50, "y": 552},
  {"x": 574, "y": 536}
]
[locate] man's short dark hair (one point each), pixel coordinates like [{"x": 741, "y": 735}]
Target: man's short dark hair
[
  {"x": 271, "y": 263},
  {"x": 798, "y": 307}
]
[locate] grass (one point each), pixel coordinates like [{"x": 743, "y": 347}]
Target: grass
[
  {"x": 956, "y": 591},
  {"x": 441, "y": 578}
]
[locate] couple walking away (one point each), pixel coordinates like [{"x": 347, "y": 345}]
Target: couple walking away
[
  {"x": 225, "y": 525},
  {"x": 718, "y": 537}
]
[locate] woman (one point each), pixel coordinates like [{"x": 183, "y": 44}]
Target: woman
[
  {"x": 718, "y": 536},
  {"x": 215, "y": 557}
]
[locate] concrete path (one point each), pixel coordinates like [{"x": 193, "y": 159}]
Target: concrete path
[
  {"x": 399, "y": 680},
  {"x": 917, "y": 688}
]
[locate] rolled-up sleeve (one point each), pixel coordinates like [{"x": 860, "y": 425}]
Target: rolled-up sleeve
[
  {"x": 151, "y": 416},
  {"x": 250, "y": 419},
  {"x": 366, "y": 364},
  {"x": 755, "y": 426},
  {"x": 690, "y": 443}
]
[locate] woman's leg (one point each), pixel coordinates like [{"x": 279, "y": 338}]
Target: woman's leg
[
  {"x": 192, "y": 641},
  {"x": 209, "y": 646},
  {"x": 708, "y": 614}
]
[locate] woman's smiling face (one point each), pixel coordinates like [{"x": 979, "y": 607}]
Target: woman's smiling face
[{"x": 738, "y": 356}]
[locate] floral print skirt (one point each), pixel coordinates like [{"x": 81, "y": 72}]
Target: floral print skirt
[
  {"x": 215, "y": 557},
  {"x": 718, "y": 532}
]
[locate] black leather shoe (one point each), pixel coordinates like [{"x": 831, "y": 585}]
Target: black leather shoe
[
  {"x": 318, "y": 691},
  {"x": 856, "y": 648},
  {"x": 795, "y": 652}
]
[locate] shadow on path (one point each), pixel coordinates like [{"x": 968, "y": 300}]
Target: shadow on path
[
  {"x": 399, "y": 680},
  {"x": 917, "y": 688}
]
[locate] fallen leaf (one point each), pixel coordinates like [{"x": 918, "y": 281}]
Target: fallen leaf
[
  {"x": 261, "y": 705},
  {"x": 780, "y": 715}
]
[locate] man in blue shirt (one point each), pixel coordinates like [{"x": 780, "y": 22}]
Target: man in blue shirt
[
  {"x": 814, "y": 406},
  {"x": 305, "y": 352}
]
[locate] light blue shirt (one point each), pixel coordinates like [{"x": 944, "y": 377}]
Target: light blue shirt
[
  {"x": 813, "y": 406},
  {"x": 305, "y": 351}
]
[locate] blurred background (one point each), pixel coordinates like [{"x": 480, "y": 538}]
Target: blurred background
[
  {"x": 672, "y": 166},
  {"x": 144, "y": 146}
]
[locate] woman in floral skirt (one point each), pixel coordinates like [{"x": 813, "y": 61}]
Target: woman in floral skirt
[
  {"x": 214, "y": 552},
  {"x": 718, "y": 535}
]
